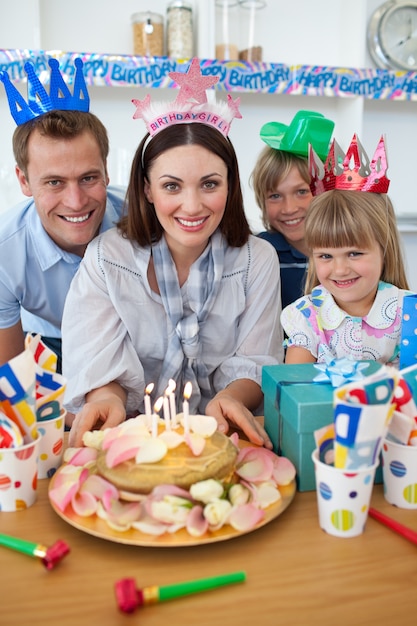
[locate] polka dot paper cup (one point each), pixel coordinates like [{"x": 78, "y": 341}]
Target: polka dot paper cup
[
  {"x": 19, "y": 476},
  {"x": 343, "y": 497},
  {"x": 52, "y": 445},
  {"x": 399, "y": 471}
]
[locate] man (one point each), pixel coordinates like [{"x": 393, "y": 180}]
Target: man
[{"x": 61, "y": 165}]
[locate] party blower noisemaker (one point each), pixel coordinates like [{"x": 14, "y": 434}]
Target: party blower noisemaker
[
  {"x": 129, "y": 598},
  {"x": 48, "y": 556}
]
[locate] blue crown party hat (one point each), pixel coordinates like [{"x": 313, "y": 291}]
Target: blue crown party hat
[{"x": 39, "y": 102}]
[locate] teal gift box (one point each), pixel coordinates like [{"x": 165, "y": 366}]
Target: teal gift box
[{"x": 294, "y": 407}]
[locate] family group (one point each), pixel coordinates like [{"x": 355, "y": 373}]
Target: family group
[{"x": 164, "y": 280}]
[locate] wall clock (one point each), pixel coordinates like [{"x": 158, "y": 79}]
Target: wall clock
[{"x": 392, "y": 35}]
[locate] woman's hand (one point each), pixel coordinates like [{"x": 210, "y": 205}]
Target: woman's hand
[
  {"x": 105, "y": 408},
  {"x": 231, "y": 405}
]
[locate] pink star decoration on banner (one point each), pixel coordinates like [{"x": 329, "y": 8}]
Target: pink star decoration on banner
[
  {"x": 192, "y": 83},
  {"x": 234, "y": 106},
  {"x": 141, "y": 105}
]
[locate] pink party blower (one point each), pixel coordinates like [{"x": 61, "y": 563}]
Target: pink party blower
[
  {"x": 48, "y": 556},
  {"x": 129, "y": 598}
]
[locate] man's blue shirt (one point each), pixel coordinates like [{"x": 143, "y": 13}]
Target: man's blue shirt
[{"x": 35, "y": 273}]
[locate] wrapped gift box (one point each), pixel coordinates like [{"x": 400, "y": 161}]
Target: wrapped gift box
[
  {"x": 294, "y": 407},
  {"x": 408, "y": 353}
]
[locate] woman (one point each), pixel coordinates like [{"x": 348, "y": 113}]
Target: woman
[{"x": 180, "y": 290}]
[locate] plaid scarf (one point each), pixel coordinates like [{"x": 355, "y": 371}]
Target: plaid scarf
[{"x": 184, "y": 359}]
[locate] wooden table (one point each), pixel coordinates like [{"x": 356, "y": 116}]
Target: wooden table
[{"x": 296, "y": 574}]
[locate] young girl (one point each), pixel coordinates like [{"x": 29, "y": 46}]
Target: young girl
[{"x": 355, "y": 282}]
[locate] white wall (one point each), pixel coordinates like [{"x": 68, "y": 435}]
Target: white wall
[{"x": 297, "y": 32}]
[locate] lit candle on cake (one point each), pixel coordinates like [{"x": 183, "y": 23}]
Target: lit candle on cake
[
  {"x": 147, "y": 401},
  {"x": 173, "y": 409},
  {"x": 186, "y": 406},
  {"x": 166, "y": 410},
  {"x": 155, "y": 416}
]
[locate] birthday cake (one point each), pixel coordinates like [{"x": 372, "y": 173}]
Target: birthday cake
[
  {"x": 159, "y": 477},
  {"x": 173, "y": 458}
]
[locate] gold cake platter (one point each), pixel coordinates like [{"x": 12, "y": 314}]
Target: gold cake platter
[{"x": 97, "y": 527}]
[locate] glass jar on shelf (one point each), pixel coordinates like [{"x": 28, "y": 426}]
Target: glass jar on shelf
[
  {"x": 148, "y": 34},
  {"x": 180, "y": 29},
  {"x": 248, "y": 50},
  {"x": 227, "y": 30}
]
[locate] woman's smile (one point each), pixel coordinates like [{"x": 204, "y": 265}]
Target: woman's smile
[{"x": 188, "y": 187}]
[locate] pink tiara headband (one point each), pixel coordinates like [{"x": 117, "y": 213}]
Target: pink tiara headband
[
  {"x": 190, "y": 105},
  {"x": 352, "y": 171}
]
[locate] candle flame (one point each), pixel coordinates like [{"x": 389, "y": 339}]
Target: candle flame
[
  {"x": 171, "y": 387},
  {"x": 149, "y": 388},
  {"x": 158, "y": 404},
  {"x": 188, "y": 390}
]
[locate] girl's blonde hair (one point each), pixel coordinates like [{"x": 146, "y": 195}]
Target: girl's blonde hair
[
  {"x": 340, "y": 219},
  {"x": 273, "y": 166}
]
